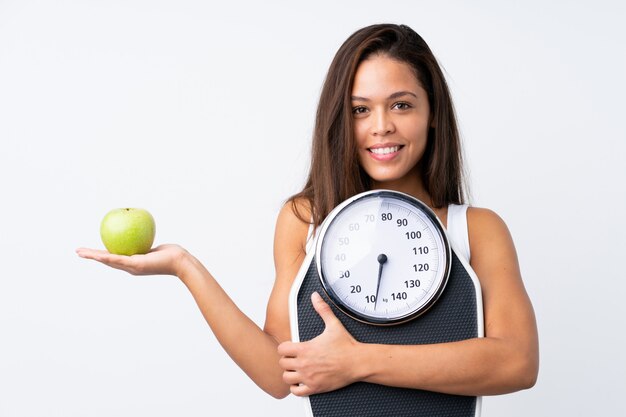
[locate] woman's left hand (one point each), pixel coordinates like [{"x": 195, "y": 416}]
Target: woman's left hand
[{"x": 325, "y": 363}]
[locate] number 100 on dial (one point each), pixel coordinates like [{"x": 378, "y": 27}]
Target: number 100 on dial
[{"x": 383, "y": 257}]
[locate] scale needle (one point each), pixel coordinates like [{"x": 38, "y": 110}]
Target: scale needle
[{"x": 382, "y": 258}]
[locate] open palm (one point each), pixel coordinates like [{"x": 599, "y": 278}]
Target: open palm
[{"x": 162, "y": 260}]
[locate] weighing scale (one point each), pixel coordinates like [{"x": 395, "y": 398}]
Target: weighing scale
[{"x": 383, "y": 262}]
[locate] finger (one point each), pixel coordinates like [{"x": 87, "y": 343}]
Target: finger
[
  {"x": 323, "y": 309},
  {"x": 90, "y": 253},
  {"x": 102, "y": 256},
  {"x": 110, "y": 259},
  {"x": 291, "y": 378},
  {"x": 124, "y": 263},
  {"x": 300, "y": 390},
  {"x": 288, "y": 349},
  {"x": 288, "y": 364}
]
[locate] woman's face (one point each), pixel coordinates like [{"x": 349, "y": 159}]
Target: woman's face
[{"x": 391, "y": 121}]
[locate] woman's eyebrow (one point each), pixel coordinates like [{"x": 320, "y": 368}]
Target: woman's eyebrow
[
  {"x": 402, "y": 93},
  {"x": 391, "y": 97}
]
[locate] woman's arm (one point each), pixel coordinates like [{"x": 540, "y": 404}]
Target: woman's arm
[
  {"x": 505, "y": 360},
  {"x": 253, "y": 349}
]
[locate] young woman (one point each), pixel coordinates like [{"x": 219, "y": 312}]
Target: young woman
[{"x": 385, "y": 120}]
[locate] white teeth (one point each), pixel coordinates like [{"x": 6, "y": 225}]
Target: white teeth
[{"x": 384, "y": 151}]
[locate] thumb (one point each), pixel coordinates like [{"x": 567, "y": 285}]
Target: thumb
[{"x": 323, "y": 309}]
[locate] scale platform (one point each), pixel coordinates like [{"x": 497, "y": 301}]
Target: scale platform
[{"x": 457, "y": 315}]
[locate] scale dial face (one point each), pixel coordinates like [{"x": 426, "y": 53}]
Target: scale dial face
[{"x": 383, "y": 257}]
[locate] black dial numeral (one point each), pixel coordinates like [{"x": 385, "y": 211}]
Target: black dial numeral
[
  {"x": 421, "y": 267},
  {"x": 402, "y": 222},
  {"x": 355, "y": 289},
  {"x": 421, "y": 250},
  {"x": 412, "y": 283},
  {"x": 413, "y": 235}
]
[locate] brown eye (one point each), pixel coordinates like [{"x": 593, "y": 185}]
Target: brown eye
[
  {"x": 358, "y": 110},
  {"x": 402, "y": 106}
]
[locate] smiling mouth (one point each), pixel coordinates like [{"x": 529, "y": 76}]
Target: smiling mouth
[{"x": 386, "y": 150}]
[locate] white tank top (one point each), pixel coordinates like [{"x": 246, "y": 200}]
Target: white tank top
[{"x": 458, "y": 231}]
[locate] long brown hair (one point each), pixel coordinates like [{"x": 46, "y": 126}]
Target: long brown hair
[{"x": 335, "y": 173}]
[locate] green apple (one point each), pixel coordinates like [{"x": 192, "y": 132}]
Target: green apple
[{"x": 128, "y": 231}]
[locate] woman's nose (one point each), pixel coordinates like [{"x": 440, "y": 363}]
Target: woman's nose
[{"x": 382, "y": 124}]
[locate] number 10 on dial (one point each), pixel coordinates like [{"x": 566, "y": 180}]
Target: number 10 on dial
[{"x": 383, "y": 257}]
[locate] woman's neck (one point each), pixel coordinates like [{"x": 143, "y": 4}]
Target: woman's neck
[{"x": 410, "y": 184}]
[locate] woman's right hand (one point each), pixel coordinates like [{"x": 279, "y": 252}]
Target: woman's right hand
[{"x": 162, "y": 260}]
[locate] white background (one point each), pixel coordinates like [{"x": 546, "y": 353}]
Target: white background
[{"x": 203, "y": 114}]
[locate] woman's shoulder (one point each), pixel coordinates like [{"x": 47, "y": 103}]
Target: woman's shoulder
[
  {"x": 293, "y": 224},
  {"x": 489, "y": 236},
  {"x": 296, "y": 212},
  {"x": 482, "y": 220},
  {"x": 479, "y": 219}
]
